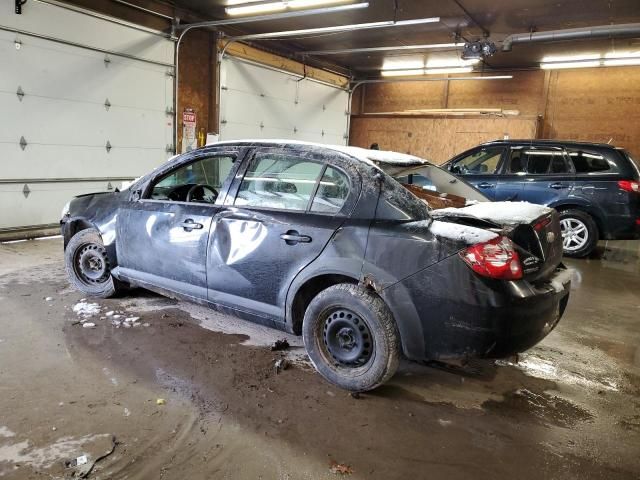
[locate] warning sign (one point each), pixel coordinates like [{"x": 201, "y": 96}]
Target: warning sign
[{"x": 189, "y": 140}]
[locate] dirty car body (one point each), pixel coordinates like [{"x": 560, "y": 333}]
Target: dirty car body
[{"x": 283, "y": 221}]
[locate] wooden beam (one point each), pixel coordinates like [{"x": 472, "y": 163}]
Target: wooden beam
[{"x": 247, "y": 52}]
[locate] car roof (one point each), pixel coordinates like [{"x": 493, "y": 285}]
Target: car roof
[
  {"x": 550, "y": 142},
  {"x": 374, "y": 157}
]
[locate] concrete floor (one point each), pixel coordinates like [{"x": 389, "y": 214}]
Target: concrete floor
[{"x": 569, "y": 409}]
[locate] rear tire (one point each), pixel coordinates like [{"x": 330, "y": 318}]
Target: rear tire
[
  {"x": 579, "y": 233},
  {"x": 87, "y": 265},
  {"x": 351, "y": 337}
]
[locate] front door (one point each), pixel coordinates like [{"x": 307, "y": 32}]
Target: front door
[
  {"x": 162, "y": 238},
  {"x": 480, "y": 168},
  {"x": 278, "y": 220}
]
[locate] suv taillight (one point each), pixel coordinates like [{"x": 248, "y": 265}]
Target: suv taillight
[
  {"x": 494, "y": 259},
  {"x": 629, "y": 185}
]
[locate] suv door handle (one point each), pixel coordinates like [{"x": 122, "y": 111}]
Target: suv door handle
[
  {"x": 486, "y": 185},
  {"x": 292, "y": 237},
  {"x": 558, "y": 185},
  {"x": 189, "y": 225}
]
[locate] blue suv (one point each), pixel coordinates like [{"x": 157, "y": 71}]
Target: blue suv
[{"x": 594, "y": 187}]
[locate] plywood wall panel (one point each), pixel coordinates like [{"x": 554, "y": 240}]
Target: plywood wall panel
[
  {"x": 392, "y": 97},
  {"x": 436, "y": 139},
  {"x": 521, "y": 93}
]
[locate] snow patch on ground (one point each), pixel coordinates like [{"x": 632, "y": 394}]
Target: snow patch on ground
[
  {"x": 85, "y": 309},
  {"x": 6, "y": 433},
  {"x": 498, "y": 212},
  {"x": 465, "y": 233}
]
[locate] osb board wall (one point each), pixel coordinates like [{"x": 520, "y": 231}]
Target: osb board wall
[
  {"x": 585, "y": 104},
  {"x": 596, "y": 105},
  {"x": 197, "y": 79},
  {"x": 436, "y": 139}
]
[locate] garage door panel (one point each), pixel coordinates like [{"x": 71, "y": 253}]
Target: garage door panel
[
  {"x": 63, "y": 116},
  {"x": 64, "y": 161},
  {"x": 44, "y": 202},
  {"x": 57, "y": 22},
  {"x": 79, "y": 75},
  {"x": 273, "y": 104}
]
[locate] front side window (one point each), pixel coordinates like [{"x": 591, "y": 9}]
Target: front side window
[
  {"x": 197, "y": 182},
  {"x": 481, "y": 162},
  {"x": 286, "y": 182}
]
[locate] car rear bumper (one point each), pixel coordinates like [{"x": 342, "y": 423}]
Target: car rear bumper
[{"x": 457, "y": 314}]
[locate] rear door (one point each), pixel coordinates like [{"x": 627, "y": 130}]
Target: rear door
[
  {"x": 549, "y": 177},
  {"x": 162, "y": 237},
  {"x": 480, "y": 167},
  {"x": 277, "y": 219}
]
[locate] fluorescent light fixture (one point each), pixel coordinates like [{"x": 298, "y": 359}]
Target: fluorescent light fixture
[
  {"x": 402, "y": 73},
  {"x": 450, "y": 62},
  {"x": 616, "y": 59},
  {"x": 428, "y": 46},
  {"x": 236, "y": 7},
  {"x": 560, "y": 65},
  {"x": 337, "y": 28},
  {"x": 570, "y": 61},
  {"x": 432, "y": 71}
]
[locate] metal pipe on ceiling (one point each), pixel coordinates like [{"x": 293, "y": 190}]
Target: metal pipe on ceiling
[
  {"x": 235, "y": 21},
  {"x": 601, "y": 31}
]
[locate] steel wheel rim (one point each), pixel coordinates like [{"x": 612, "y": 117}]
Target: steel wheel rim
[
  {"x": 575, "y": 234},
  {"x": 346, "y": 338},
  {"x": 91, "y": 265}
]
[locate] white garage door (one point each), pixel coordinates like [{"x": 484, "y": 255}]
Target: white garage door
[
  {"x": 86, "y": 103},
  {"x": 259, "y": 102}
]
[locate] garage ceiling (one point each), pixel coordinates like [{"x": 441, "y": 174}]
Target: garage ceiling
[{"x": 499, "y": 17}]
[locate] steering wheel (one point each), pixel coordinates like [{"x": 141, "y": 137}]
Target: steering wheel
[{"x": 191, "y": 194}]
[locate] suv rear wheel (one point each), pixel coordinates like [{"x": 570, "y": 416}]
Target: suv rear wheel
[
  {"x": 87, "y": 265},
  {"x": 579, "y": 233},
  {"x": 351, "y": 337}
]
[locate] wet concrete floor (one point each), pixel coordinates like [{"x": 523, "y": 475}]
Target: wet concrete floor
[{"x": 190, "y": 393}]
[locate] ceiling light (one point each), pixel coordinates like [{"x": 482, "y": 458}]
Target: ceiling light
[
  {"x": 570, "y": 58},
  {"x": 402, "y": 73},
  {"x": 432, "y": 71},
  {"x": 615, "y": 59},
  {"x": 251, "y": 7},
  {"x": 383, "y": 49},
  {"x": 560, "y": 65},
  {"x": 335, "y": 29},
  {"x": 450, "y": 62},
  {"x": 402, "y": 63}
]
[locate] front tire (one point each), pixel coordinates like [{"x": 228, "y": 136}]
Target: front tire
[
  {"x": 579, "y": 233},
  {"x": 351, "y": 337},
  {"x": 87, "y": 265}
]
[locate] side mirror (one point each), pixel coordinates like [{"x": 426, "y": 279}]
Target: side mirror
[{"x": 135, "y": 195}]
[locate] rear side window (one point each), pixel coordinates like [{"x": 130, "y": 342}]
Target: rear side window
[
  {"x": 537, "y": 162},
  {"x": 332, "y": 192},
  {"x": 585, "y": 162},
  {"x": 287, "y": 182}
]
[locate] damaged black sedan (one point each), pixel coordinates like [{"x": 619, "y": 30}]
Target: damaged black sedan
[{"x": 341, "y": 245}]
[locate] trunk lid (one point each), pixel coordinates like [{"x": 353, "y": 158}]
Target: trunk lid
[{"x": 534, "y": 230}]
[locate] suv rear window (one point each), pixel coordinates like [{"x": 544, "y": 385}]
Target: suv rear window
[{"x": 585, "y": 162}]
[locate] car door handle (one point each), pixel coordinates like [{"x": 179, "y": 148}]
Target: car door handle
[
  {"x": 292, "y": 237},
  {"x": 189, "y": 225},
  {"x": 486, "y": 185},
  {"x": 558, "y": 185}
]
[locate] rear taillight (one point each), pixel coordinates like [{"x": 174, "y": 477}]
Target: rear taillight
[
  {"x": 629, "y": 185},
  {"x": 494, "y": 259}
]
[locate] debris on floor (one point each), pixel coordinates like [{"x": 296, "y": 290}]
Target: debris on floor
[
  {"x": 49, "y": 299},
  {"x": 86, "y": 310},
  {"x": 280, "y": 365},
  {"x": 89, "y": 325},
  {"x": 280, "y": 345},
  {"x": 339, "y": 468},
  {"x": 161, "y": 401}
]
